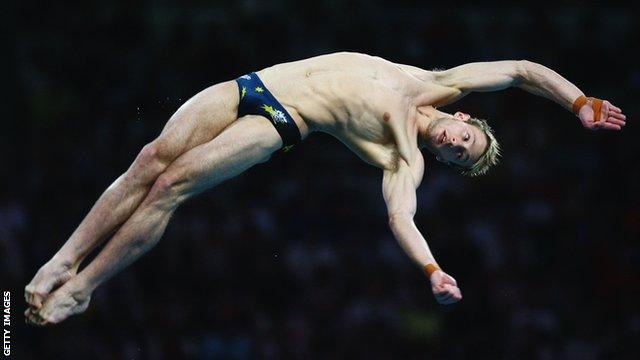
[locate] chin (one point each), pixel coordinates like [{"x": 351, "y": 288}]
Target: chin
[{"x": 431, "y": 145}]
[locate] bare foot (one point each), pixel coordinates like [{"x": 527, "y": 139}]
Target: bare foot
[
  {"x": 51, "y": 275},
  {"x": 61, "y": 304}
]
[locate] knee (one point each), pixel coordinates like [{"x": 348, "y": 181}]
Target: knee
[
  {"x": 151, "y": 154},
  {"x": 165, "y": 191},
  {"x": 150, "y": 162}
]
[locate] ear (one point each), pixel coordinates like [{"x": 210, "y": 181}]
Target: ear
[{"x": 461, "y": 116}]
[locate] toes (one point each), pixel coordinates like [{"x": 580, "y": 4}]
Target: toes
[
  {"x": 28, "y": 291},
  {"x": 61, "y": 306},
  {"x": 34, "y": 297},
  {"x": 35, "y": 300},
  {"x": 33, "y": 318},
  {"x": 48, "y": 316}
]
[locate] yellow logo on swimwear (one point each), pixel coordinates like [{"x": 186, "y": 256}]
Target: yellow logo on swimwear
[
  {"x": 244, "y": 91},
  {"x": 269, "y": 109},
  {"x": 259, "y": 89},
  {"x": 276, "y": 115},
  {"x": 287, "y": 148}
]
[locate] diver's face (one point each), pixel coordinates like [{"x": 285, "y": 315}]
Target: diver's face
[{"x": 455, "y": 141}]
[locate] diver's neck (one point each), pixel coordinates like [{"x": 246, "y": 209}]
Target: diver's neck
[{"x": 427, "y": 115}]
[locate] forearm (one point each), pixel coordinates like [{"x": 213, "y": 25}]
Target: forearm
[
  {"x": 542, "y": 81},
  {"x": 411, "y": 240}
]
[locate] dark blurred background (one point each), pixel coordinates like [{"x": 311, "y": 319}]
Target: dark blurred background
[{"x": 294, "y": 259}]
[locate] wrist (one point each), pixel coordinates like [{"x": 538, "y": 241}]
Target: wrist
[
  {"x": 578, "y": 103},
  {"x": 594, "y": 103},
  {"x": 430, "y": 268}
]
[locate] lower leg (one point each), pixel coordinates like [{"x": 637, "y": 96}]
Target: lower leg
[
  {"x": 137, "y": 236},
  {"x": 111, "y": 210}
]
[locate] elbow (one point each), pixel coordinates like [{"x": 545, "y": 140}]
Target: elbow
[
  {"x": 399, "y": 218},
  {"x": 523, "y": 70}
]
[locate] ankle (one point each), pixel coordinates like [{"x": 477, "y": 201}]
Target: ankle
[
  {"x": 79, "y": 289},
  {"x": 62, "y": 263}
]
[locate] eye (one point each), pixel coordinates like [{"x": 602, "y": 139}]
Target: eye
[{"x": 466, "y": 137}]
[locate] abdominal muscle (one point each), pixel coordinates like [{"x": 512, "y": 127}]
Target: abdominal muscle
[{"x": 353, "y": 97}]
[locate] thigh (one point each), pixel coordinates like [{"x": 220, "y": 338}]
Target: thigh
[
  {"x": 199, "y": 120},
  {"x": 248, "y": 141}
]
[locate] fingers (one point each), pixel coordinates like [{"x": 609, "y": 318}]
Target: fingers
[
  {"x": 612, "y": 118},
  {"x": 614, "y": 115},
  {"x": 616, "y": 121},
  {"x": 448, "y": 294},
  {"x": 617, "y": 115},
  {"x": 608, "y": 126},
  {"x": 451, "y": 280},
  {"x": 614, "y": 108},
  {"x": 446, "y": 299},
  {"x": 449, "y": 299}
]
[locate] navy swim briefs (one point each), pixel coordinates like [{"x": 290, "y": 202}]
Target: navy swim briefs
[{"x": 256, "y": 99}]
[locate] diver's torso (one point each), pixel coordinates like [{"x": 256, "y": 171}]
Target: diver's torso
[{"x": 354, "y": 97}]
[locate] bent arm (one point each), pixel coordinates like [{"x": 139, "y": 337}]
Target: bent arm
[{"x": 498, "y": 75}]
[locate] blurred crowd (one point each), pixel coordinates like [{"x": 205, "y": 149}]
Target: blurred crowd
[{"x": 294, "y": 258}]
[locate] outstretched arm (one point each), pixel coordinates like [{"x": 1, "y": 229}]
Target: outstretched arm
[
  {"x": 399, "y": 190},
  {"x": 534, "y": 78}
]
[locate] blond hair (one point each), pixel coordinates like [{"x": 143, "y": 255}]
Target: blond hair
[{"x": 491, "y": 155}]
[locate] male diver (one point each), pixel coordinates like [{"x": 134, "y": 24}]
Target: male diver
[{"x": 384, "y": 112}]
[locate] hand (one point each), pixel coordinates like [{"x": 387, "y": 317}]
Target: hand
[
  {"x": 445, "y": 288},
  {"x": 61, "y": 304},
  {"x": 51, "y": 275},
  {"x": 611, "y": 117}
]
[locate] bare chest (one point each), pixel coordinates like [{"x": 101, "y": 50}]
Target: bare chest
[{"x": 375, "y": 130}]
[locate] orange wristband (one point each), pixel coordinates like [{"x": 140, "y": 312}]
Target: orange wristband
[
  {"x": 596, "y": 104},
  {"x": 578, "y": 103},
  {"x": 597, "y": 108},
  {"x": 430, "y": 269}
]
